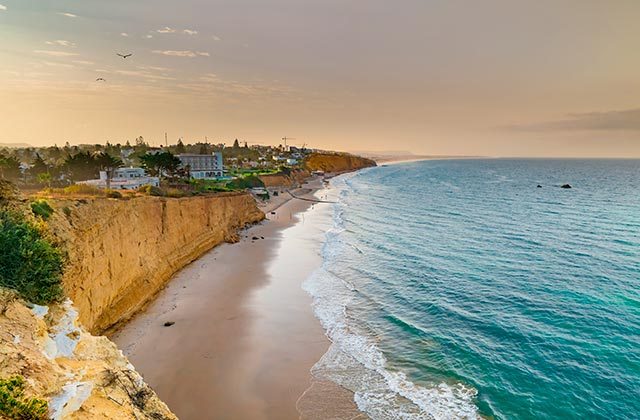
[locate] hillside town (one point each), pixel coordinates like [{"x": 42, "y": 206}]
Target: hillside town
[{"x": 136, "y": 165}]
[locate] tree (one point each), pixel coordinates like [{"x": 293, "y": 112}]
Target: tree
[
  {"x": 236, "y": 145},
  {"x": 45, "y": 178},
  {"x": 9, "y": 168},
  {"x": 38, "y": 167},
  {"x": 81, "y": 166},
  {"x": 160, "y": 163},
  {"x": 180, "y": 147},
  {"x": 109, "y": 164}
]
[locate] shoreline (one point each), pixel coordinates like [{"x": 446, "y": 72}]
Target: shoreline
[{"x": 234, "y": 352}]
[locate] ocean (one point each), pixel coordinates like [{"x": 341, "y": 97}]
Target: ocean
[{"x": 459, "y": 289}]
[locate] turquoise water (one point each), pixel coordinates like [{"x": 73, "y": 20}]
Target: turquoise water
[{"x": 457, "y": 289}]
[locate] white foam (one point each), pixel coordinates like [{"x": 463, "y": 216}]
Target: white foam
[{"x": 354, "y": 359}]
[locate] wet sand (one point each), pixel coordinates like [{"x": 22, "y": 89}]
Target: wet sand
[{"x": 245, "y": 337}]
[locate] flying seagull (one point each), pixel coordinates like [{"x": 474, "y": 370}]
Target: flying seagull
[
  {"x": 100, "y": 79},
  {"x": 124, "y": 55}
]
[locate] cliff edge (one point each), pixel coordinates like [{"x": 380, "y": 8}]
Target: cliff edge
[
  {"x": 122, "y": 252},
  {"x": 336, "y": 162}
]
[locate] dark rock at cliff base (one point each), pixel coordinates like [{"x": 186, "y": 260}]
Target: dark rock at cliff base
[
  {"x": 255, "y": 238},
  {"x": 539, "y": 186},
  {"x": 566, "y": 186},
  {"x": 168, "y": 323}
]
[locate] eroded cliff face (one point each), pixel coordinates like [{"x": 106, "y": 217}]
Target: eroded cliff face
[
  {"x": 282, "y": 180},
  {"x": 122, "y": 252},
  {"x": 329, "y": 162},
  {"x": 79, "y": 375}
]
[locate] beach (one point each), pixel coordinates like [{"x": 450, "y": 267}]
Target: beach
[{"x": 244, "y": 337}]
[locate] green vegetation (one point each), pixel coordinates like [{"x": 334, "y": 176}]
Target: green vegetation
[
  {"x": 160, "y": 163},
  {"x": 112, "y": 194},
  {"x": 41, "y": 208},
  {"x": 15, "y": 405},
  {"x": 251, "y": 181},
  {"x": 29, "y": 263},
  {"x": 151, "y": 190}
]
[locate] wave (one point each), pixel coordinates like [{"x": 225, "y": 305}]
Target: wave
[{"x": 354, "y": 359}]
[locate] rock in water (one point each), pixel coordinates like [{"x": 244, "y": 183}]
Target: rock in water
[
  {"x": 539, "y": 186},
  {"x": 566, "y": 186}
]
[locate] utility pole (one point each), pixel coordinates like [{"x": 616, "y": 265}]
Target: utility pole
[
  {"x": 166, "y": 143},
  {"x": 285, "y": 141}
]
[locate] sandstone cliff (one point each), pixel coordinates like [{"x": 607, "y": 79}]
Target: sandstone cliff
[
  {"x": 122, "y": 252},
  {"x": 283, "y": 180},
  {"x": 79, "y": 375},
  {"x": 335, "y": 162}
]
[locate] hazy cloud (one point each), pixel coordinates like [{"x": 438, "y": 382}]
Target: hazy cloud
[
  {"x": 144, "y": 74},
  {"x": 148, "y": 36},
  {"x": 124, "y": 34},
  {"x": 61, "y": 43},
  {"x": 84, "y": 62},
  {"x": 166, "y": 30},
  {"x": 55, "y": 53},
  {"x": 216, "y": 38},
  {"x": 52, "y": 64},
  {"x": 190, "y": 32},
  {"x": 3, "y": 7},
  {"x": 70, "y": 15},
  {"x": 185, "y": 53},
  {"x": 624, "y": 120}
]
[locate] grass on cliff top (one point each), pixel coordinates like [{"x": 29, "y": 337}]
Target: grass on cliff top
[
  {"x": 29, "y": 263},
  {"x": 15, "y": 405}
]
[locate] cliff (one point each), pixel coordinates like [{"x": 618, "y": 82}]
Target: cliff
[
  {"x": 283, "y": 180},
  {"x": 79, "y": 375},
  {"x": 334, "y": 162},
  {"x": 122, "y": 252}
]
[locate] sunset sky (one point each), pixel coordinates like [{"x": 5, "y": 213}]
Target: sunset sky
[{"x": 492, "y": 77}]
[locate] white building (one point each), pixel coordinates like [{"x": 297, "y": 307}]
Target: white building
[
  {"x": 124, "y": 179},
  {"x": 203, "y": 166}
]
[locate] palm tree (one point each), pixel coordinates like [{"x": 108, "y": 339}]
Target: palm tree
[{"x": 108, "y": 164}]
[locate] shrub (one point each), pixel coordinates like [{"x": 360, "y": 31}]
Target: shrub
[
  {"x": 77, "y": 189},
  {"x": 177, "y": 193},
  {"x": 151, "y": 190},
  {"x": 15, "y": 405},
  {"x": 113, "y": 194},
  {"x": 250, "y": 181},
  {"x": 29, "y": 263},
  {"x": 66, "y": 211},
  {"x": 41, "y": 208}
]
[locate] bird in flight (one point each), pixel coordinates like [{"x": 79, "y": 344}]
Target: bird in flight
[
  {"x": 100, "y": 79},
  {"x": 124, "y": 55}
]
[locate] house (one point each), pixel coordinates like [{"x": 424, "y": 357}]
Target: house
[
  {"x": 203, "y": 166},
  {"x": 124, "y": 179}
]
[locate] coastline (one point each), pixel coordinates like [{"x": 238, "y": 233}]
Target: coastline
[{"x": 245, "y": 336}]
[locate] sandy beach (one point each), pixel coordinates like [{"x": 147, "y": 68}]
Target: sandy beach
[{"x": 245, "y": 337}]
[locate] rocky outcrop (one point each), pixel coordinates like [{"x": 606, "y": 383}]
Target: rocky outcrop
[
  {"x": 122, "y": 252},
  {"x": 79, "y": 375},
  {"x": 336, "y": 162}
]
